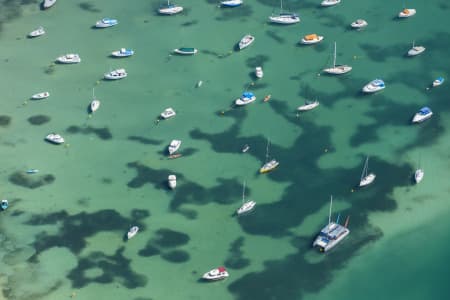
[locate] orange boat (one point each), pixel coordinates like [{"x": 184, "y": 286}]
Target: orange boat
[{"x": 267, "y": 98}]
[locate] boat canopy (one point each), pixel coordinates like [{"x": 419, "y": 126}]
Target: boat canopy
[
  {"x": 248, "y": 95},
  {"x": 406, "y": 11},
  {"x": 221, "y": 269},
  {"x": 425, "y": 110},
  {"x": 311, "y": 37},
  {"x": 378, "y": 82}
]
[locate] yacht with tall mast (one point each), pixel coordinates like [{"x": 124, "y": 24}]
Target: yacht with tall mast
[
  {"x": 284, "y": 17},
  {"x": 95, "y": 103},
  {"x": 415, "y": 50},
  {"x": 337, "y": 69},
  {"x": 269, "y": 165},
  {"x": 366, "y": 178},
  {"x": 331, "y": 235},
  {"x": 246, "y": 205},
  {"x": 170, "y": 9}
]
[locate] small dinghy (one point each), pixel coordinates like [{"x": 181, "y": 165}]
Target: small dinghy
[
  {"x": 418, "y": 175},
  {"x": 172, "y": 179},
  {"x": 4, "y": 205},
  {"x": 40, "y": 96},
  {"x": 70, "y": 58},
  {"x": 358, "y": 24},
  {"x": 438, "y": 81},
  {"x": 48, "y": 3},
  {"x": 185, "y": 51},
  {"x": 407, "y": 12},
  {"x": 38, "y": 32},
  {"x": 54, "y": 138},
  {"x": 246, "y": 41},
  {"x": 245, "y": 148},
  {"x": 168, "y": 113},
  {"x": 132, "y": 232},
  {"x": 259, "y": 72},
  {"x": 330, "y": 2}
]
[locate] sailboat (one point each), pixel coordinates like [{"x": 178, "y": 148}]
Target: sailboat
[
  {"x": 246, "y": 205},
  {"x": 170, "y": 9},
  {"x": 95, "y": 103},
  {"x": 269, "y": 165},
  {"x": 331, "y": 234},
  {"x": 284, "y": 17},
  {"x": 337, "y": 69},
  {"x": 418, "y": 174},
  {"x": 415, "y": 50},
  {"x": 366, "y": 178}
]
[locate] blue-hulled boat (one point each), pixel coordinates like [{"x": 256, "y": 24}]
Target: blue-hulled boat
[
  {"x": 231, "y": 3},
  {"x": 246, "y": 98},
  {"x": 4, "y": 204},
  {"x": 423, "y": 114},
  {"x": 374, "y": 86}
]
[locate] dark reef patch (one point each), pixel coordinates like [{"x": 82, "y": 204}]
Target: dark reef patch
[
  {"x": 21, "y": 179},
  {"x": 144, "y": 140},
  {"x": 102, "y": 133},
  {"x": 5, "y": 121},
  {"x": 87, "y": 6},
  {"x": 167, "y": 238},
  {"x": 175, "y": 256},
  {"x": 38, "y": 119},
  {"x": 236, "y": 258}
]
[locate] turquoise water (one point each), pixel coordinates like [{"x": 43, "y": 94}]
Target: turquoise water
[{"x": 63, "y": 233}]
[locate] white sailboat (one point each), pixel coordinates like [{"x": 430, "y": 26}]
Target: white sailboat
[
  {"x": 366, "y": 178},
  {"x": 170, "y": 9},
  {"x": 337, "y": 69},
  {"x": 95, "y": 103},
  {"x": 415, "y": 50},
  {"x": 331, "y": 234},
  {"x": 269, "y": 165},
  {"x": 418, "y": 174},
  {"x": 246, "y": 205},
  {"x": 284, "y": 17}
]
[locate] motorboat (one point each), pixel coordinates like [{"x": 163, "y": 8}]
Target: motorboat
[
  {"x": 310, "y": 39},
  {"x": 246, "y": 41},
  {"x": 438, "y": 81},
  {"x": 106, "y": 22},
  {"x": 172, "y": 179},
  {"x": 308, "y": 105},
  {"x": 337, "y": 69},
  {"x": 123, "y": 52},
  {"x": 267, "y": 98},
  {"x": 185, "y": 51},
  {"x": 4, "y": 204},
  {"x": 216, "y": 274},
  {"x": 54, "y": 138},
  {"x": 48, "y": 3},
  {"x": 366, "y": 177},
  {"x": 40, "y": 96},
  {"x": 168, "y": 113},
  {"x": 245, "y": 148},
  {"x": 246, "y": 205},
  {"x": 95, "y": 104},
  {"x": 283, "y": 17},
  {"x": 231, "y": 3},
  {"x": 374, "y": 86},
  {"x": 70, "y": 58},
  {"x": 415, "y": 50},
  {"x": 174, "y": 146},
  {"x": 259, "y": 72},
  {"x": 246, "y": 98},
  {"x": 330, "y": 235},
  {"x": 132, "y": 232},
  {"x": 330, "y": 2},
  {"x": 38, "y": 32},
  {"x": 358, "y": 24},
  {"x": 116, "y": 74},
  {"x": 418, "y": 175},
  {"x": 269, "y": 166},
  {"x": 407, "y": 12},
  {"x": 422, "y": 115},
  {"x": 32, "y": 171},
  {"x": 170, "y": 9}
]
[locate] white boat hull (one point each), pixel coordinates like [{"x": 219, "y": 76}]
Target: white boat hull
[
  {"x": 40, "y": 96},
  {"x": 406, "y": 13},
  {"x": 242, "y": 102},
  {"x": 418, "y": 118},
  {"x": 259, "y": 72},
  {"x": 416, "y": 50},
  {"x": 54, "y": 138},
  {"x": 38, "y": 32},
  {"x": 172, "y": 10},
  {"x": 311, "y": 42},
  {"x": 246, "y": 207},
  {"x": 284, "y": 19},
  {"x": 174, "y": 146},
  {"x": 418, "y": 175},
  {"x": 338, "y": 70},
  {"x": 326, "y": 244},
  {"x": 308, "y": 106},
  {"x": 116, "y": 74},
  {"x": 215, "y": 274},
  {"x": 358, "y": 24},
  {"x": 95, "y": 104},
  {"x": 367, "y": 180},
  {"x": 172, "y": 179},
  {"x": 269, "y": 166},
  {"x": 168, "y": 113},
  {"x": 132, "y": 232},
  {"x": 246, "y": 41},
  {"x": 69, "y": 59},
  {"x": 48, "y": 3},
  {"x": 327, "y": 3}
]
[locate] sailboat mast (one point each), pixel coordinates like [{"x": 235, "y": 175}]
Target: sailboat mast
[
  {"x": 243, "y": 192},
  {"x": 334, "y": 56},
  {"x": 329, "y": 215},
  {"x": 281, "y": 5},
  {"x": 267, "y": 151}
]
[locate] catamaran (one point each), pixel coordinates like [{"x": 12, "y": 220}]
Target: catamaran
[
  {"x": 246, "y": 205},
  {"x": 331, "y": 235},
  {"x": 337, "y": 69},
  {"x": 366, "y": 178},
  {"x": 269, "y": 165},
  {"x": 284, "y": 18}
]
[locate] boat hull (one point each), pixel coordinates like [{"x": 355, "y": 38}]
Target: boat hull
[
  {"x": 48, "y": 3},
  {"x": 418, "y": 175},
  {"x": 305, "y": 41},
  {"x": 338, "y": 70},
  {"x": 367, "y": 180},
  {"x": 309, "y": 106},
  {"x": 406, "y": 13},
  {"x": 40, "y": 96},
  {"x": 330, "y": 3}
]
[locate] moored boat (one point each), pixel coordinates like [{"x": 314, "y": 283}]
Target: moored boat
[
  {"x": 32, "y": 171},
  {"x": 40, "y": 96},
  {"x": 174, "y": 146},
  {"x": 422, "y": 115},
  {"x": 366, "y": 177},
  {"x": 308, "y": 105},
  {"x": 106, "y": 22},
  {"x": 70, "y": 58},
  {"x": 358, "y": 24},
  {"x": 48, "y": 3},
  {"x": 337, "y": 69},
  {"x": 330, "y": 2},
  {"x": 418, "y": 175},
  {"x": 54, "y": 138},
  {"x": 170, "y": 9},
  {"x": 4, "y": 204},
  {"x": 269, "y": 165},
  {"x": 172, "y": 179},
  {"x": 246, "y": 41},
  {"x": 416, "y": 50},
  {"x": 37, "y": 32},
  {"x": 185, "y": 51},
  {"x": 116, "y": 74},
  {"x": 374, "y": 86},
  {"x": 246, "y": 205},
  {"x": 310, "y": 39},
  {"x": 438, "y": 81},
  {"x": 283, "y": 17},
  {"x": 216, "y": 274},
  {"x": 259, "y": 72},
  {"x": 407, "y": 12},
  {"x": 246, "y": 98},
  {"x": 245, "y": 148},
  {"x": 231, "y": 3},
  {"x": 331, "y": 235},
  {"x": 95, "y": 104},
  {"x": 168, "y": 113},
  {"x": 132, "y": 232},
  {"x": 123, "y": 52}
]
